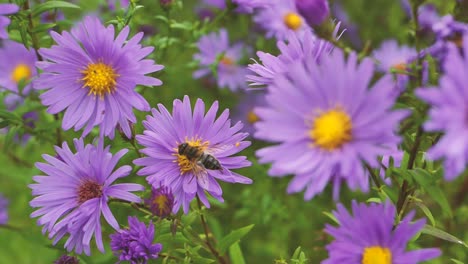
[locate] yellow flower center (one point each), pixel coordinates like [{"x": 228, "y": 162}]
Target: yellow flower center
[
  {"x": 162, "y": 202},
  {"x": 400, "y": 66},
  {"x": 376, "y": 255},
  {"x": 21, "y": 72},
  {"x": 100, "y": 78},
  {"x": 292, "y": 20},
  {"x": 226, "y": 61},
  {"x": 252, "y": 117},
  {"x": 187, "y": 164},
  {"x": 331, "y": 129}
]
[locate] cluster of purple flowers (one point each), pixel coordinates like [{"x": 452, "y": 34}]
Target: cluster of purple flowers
[{"x": 330, "y": 116}]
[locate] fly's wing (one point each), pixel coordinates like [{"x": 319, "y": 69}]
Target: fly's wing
[
  {"x": 202, "y": 177},
  {"x": 216, "y": 149}
]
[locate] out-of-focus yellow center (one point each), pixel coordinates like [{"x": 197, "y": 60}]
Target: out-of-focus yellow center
[
  {"x": 100, "y": 79},
  {"x": 376, "y": 255},
  {"x": 21, "y": 72},
  {"x": 190, "y": 164},
  {"x": 331, "y": 129},
  {"x": 400, "y": 66},
  {"x": 292, "y": 20},
  {"x": 226, "y": 61},
  {"x": 162, "y": 202},
  {"x": 252, "y": 117}
]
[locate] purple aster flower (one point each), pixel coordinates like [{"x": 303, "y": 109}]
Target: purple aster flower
[
  {"x": 248, "y": 6},
  {"x": 6, "y": 9},
  {"x": 16, "y": 66},
  {"x": 314, "y": 11},
  {"x": 161, "y": 201},
  {"x": 369, "y": 236},
  {"x": 427, "y": 16},
  {"x": 295, "y": 48},
  {"x": 75, "y": 192},
  {"x": 352, "y": 29},
  {"x": 91, "y": 74},
  {"x": 280, "y": 17},
  {"x": 245, "y": 109},
  {"x": 395, "y": 58},
  {"x": 215, "y": 49},
  {"x": 122, "y": 4},
  {"x": 135, "y": 244},
  {"x": 169, "y": 138},
  {"x": 221, "y": 4},
  {"x": 67, "y": 260},
  {"x": 325, "y": 125},
  {"x": 449, "y": 112},
  {"x": 3, "y": 210}
]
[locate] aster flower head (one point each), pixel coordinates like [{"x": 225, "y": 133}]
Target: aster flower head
[
  {"x": 74, "y": 193},
  {"x": 325, "y": 125},
  {"x": 6, "y": 9},
  {"x": 248, "y": 6},
  {"x": 280, "y": 17},
  {"x": 161, "y": 201},
  {"x": 215, "y": 50},
  {"x": 135, "y": 244},
  {"x": 3, "y": 210},
  {"x": 16, "y": 66},
  {"x": 395, "y": 58},
  {"x": 91, "y": 75},
  {"x": 295, "y": 48},
  {"x": 448, "y": 112},
  {"x": 368, "y": 236},
  {"x": 245, "y": 109},
  {"x": 180, "y": 167}
]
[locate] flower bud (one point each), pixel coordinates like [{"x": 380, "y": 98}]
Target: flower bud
[{"x": 314, "y": 11}]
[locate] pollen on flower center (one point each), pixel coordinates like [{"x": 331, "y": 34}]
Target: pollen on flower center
[
  {"x": 88, "y": 190},
  {"x": 376, "y": 255},
  {"x": 21, "y": 72},
  {"x": 99, "y": 78},
  {"x": 292, "y": 20},
  {"x": 331, "y": 129},
  {"x": 252, "y": 117},
  {"x": 187, "y": 164}
]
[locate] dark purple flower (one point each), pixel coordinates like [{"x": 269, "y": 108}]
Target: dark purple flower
[
  {"x": 67, "y": 260},
  {"x": 368, "y": 236},
  {"x": 6, "y": 9},
  {"x": 75, "y": 192},
  {"x": 449, "y": 112},
  {"x": 325, "y": 124},
  {"x": 161, "y": 201},
  {"x": 135, "y": 244},
  {"x": 91, "y": 75},
  {"x": 314, "y": 11},
  {"x": 3, "y": 210},
  {"x": 188, "y": 177}
]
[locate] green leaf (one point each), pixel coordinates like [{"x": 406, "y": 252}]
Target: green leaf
[
  {"x": 457, "y": 261},
  {"x": 49, "y": 5},
  {"x": 442, "y": 235},
  {"x": 374, "y": 200},
  {"x": 427, "y": 212},
  {"x": 11, "y": 117},
  {"x": 332, "y": 217},
  {"x": 43, "y": 27},
  {"x": 296, "y": 253},
  {"x": 233, "y": 237},
  {"x": 235, "y": 252}
]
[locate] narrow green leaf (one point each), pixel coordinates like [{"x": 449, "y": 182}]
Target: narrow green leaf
[
  {"x": 427, "y": 212},
  {"x": 49, "y": 5},
  {"x": 43, "y": 27},
  {"x": 235, "y": 252},
  {"x": 374, "y": 200},
  {"x": 442, "y": 235},
  {"x": 296, "y": 253},
  {"x": 332, "y": 217},
  {"x": 457, "y": 261},
  {"x": 233, "y": 237}
]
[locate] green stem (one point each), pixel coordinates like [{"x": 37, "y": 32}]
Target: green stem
[{"x": 374, "y": 177}]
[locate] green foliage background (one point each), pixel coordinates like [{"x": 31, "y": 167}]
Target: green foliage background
[{"x": 281, "y": 222}]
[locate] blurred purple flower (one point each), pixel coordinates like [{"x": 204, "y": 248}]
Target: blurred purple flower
[
  {"x": 248, "y": 6},
  {"x": 394, "y": 58},
  {"x": 314, "y": 11},
  {"x": 280, "y": 17},
  {"x": 75, "y": 192},
  {"x": 135, "y": 244},
  {"x": 351, "y": 28},
  {"x": 3, "y": 210},
  {"x": 67, "y": 260},
  {"x": 6, "y": 9},
  {"x": 368, "y": 235},
  {"x": 428, "y": 16},
  {"x": 245, "y": 109},
  {"x": 295, "y": 48},
  {"x": 91, "y": 75},
  {"x": 161, "y": 201},
  {"x": 122, "y": 4},
  {"x": 214, "y": 48},
  {"x": 326, "y": 124},
  {"x": 16, "y": 67},
  {"x": 188, "y": 177},
  {"x": 221, "y": 4},
  {"x": 448, "y": 112}
]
